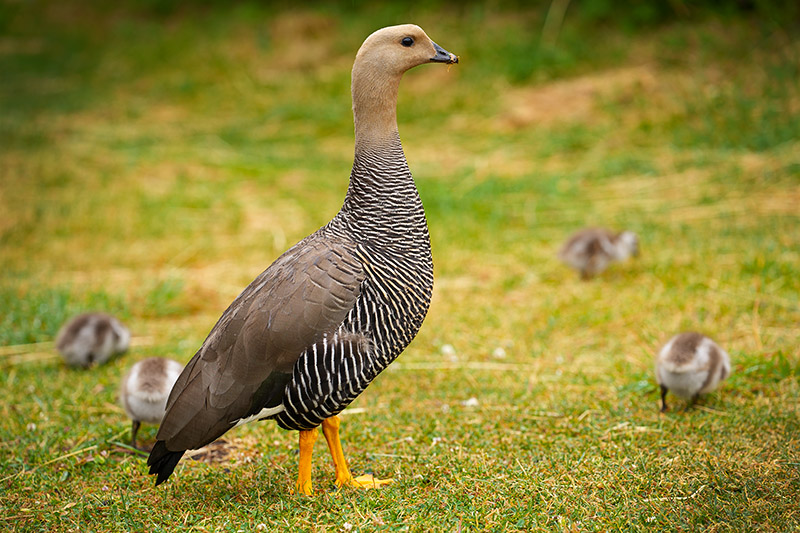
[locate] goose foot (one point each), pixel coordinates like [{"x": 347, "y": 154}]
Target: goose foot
[{"x": 330, "y": 428}]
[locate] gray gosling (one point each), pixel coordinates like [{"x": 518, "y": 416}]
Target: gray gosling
[
  {"x": 690, "y": 364},
  {"x": 591, "y": 250},
  {"x": 92, "y": 338},
  {"x": 145, "y": 389}
]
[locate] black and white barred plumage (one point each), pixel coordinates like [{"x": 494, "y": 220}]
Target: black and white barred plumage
[{"x": 393, "y": 246}]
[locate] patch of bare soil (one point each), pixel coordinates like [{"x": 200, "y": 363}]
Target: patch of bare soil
[
  {"x": 574, "y": 100},
  {"x": 233, "y": 452}
]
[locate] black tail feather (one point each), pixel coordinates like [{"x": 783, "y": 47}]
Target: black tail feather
[{"x": 162, "y": 461}]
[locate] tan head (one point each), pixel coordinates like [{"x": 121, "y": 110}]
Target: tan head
[
  {"x": 395, "y": 49},
  {"x": 378, "y": 67}
]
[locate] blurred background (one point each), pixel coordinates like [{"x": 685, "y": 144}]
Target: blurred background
[{"x": 157, "y": 155}]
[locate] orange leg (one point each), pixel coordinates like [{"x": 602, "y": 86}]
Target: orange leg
[
  {"x": 307, "y": 439},
  {"x": 330, "y": 428}
]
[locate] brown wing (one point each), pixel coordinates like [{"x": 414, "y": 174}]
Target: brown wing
[{"x": 248, "y": 357}]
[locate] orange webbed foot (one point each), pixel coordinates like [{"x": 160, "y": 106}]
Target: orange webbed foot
[{"x": 330, "y": 428}]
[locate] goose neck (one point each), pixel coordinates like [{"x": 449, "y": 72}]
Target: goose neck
[{"x": 374, "y": 93}]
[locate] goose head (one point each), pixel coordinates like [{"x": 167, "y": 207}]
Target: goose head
[
  {"x": 379, "y": 65},
  {"x": 396, "y": 49}
]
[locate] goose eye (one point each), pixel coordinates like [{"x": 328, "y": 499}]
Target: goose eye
[{"x": 407, "y": 41}]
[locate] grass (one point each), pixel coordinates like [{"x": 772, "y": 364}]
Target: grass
[{"x": 155, "y": 159}]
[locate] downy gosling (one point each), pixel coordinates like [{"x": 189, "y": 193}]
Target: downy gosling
[
  {"x": 145, "y": 389},
  {"x": 690, "y": 364},
  {"x": 591, "y": 250},
  {"x": 92, "y": 338}
]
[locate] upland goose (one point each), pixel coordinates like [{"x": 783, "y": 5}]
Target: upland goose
[
  {"x": 91, "y": 338},
  {"x": 144, "y": 391},
  {"x": 690, "y": 364},
  {"x": 591, "y": 250},
  {"x": 308, "y": 335}
]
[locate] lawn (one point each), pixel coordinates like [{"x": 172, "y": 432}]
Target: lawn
[{"x": 155, "y": 158}]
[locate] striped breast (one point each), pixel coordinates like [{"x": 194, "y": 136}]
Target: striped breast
[{"x": 384, "y": 218}]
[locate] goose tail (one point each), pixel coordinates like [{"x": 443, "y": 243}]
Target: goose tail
[{"x": 163, "y": 461}]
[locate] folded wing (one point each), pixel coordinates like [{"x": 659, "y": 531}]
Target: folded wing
[{"x": 248, "y": 358}]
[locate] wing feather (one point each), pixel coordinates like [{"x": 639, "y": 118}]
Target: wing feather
[{"x": 249, "y": 355}]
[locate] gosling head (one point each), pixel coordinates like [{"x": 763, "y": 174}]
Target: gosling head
[{"x": 627, "y": 244}]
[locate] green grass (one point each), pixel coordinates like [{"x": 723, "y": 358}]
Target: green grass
[{"x": 156, "y": 158}]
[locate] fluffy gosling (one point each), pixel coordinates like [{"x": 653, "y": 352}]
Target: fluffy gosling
[
  {"x": 690, "y": 364},
  {"x": 591, "y": 250},
  {"x": 92, "y": 338},
  {"x": 145, "y": 389}
]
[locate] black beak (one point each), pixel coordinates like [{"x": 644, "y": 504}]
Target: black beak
[{"x": 443, "y": 56}]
